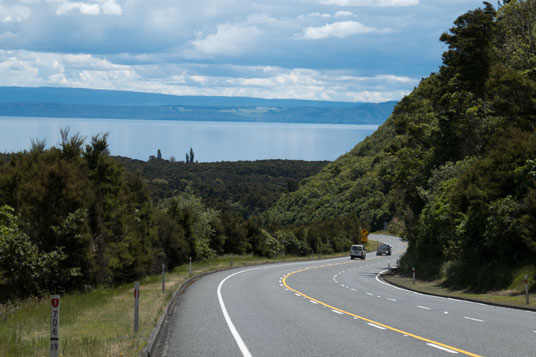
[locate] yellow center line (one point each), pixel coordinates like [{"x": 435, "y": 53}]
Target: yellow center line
[{"x": 364, "y": 318}]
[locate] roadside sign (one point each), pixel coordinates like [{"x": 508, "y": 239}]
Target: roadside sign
[
  {"x": 364, "y": 235},
  {"x": 54, "y": 325}
]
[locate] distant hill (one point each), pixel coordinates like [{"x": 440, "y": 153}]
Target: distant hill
[{"x": 90, "y": 103}]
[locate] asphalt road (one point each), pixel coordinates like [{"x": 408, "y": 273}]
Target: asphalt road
[{"x": 335, "y": 307}]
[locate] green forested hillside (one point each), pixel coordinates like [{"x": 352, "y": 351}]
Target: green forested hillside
[
  {"x": 453, "y": 169},
  {"x": 246, "y": 187}
]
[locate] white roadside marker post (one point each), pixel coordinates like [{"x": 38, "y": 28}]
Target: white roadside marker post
[
  {"x": 54, "y": 325},
  {"x": 163, "y": 277},
  {"x": 413, "y": 275},
  {"x": 190, "y": 267},
  {"x": 526, "y": 289},
  {"x": 136, "y": 305}
]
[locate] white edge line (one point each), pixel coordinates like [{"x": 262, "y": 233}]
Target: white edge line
[
  {"x": 423, "y": 307},
  {"x": 232, "y": 328},
  {"x": 441, "y": 348},
  {"x": 234, "y": 332},
  {"x": 337, "y": 312}
]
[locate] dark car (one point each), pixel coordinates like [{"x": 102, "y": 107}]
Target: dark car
[{"x": 384, "y": 249}]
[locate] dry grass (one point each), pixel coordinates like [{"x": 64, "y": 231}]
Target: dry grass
[{"x": 101, "y": 322}]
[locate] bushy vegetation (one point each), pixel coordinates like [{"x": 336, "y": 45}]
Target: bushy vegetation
[
  {"x": 72, "y": 218},
  {"x": 246, "y": 188},
  {"x": 453, "y": 169}
]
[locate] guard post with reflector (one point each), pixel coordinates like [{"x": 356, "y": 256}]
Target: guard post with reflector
[
  {"x": 526, "y": 281},
  {"x": 136, "y": 304}
]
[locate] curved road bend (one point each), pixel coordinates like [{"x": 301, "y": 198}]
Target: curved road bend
[{"x": 336, "y": 307}]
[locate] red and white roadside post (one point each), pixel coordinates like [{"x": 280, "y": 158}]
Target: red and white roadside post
[
  {"x": 54, "y": 325},
  {"x": 136, "y": 304},
  {"x": 526, "y": 289}
]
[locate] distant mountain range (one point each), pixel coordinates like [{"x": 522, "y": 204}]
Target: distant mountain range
[{"x": 91, "y": 103}]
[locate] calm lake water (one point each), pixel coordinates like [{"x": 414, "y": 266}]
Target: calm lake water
[{"x": 211, "y": 141}]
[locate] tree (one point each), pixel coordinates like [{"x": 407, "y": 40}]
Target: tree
[
  {"x": 191, "y": 155},
  {"x": 470, "y": 44},
  {"x": 159, "y": 154},
  {"x": 24, "y": 269}
]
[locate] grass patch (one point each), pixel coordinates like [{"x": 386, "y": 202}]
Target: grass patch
[
  {"x": 101, "y": 322},
  {"x": 508, "y": 297}
]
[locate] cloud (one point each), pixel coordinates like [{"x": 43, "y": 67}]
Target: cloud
[
  {"x": 378, "y": 3},
  {"x": 82, "y": 7},
  {"x": 107, "y": 7},
  {"x": 326, "y": 15},
  {"x": 336, "y": 29},
  {"x": 343, "y": 14},
  {"x": 15, "y": 14},
  {"x": 25, "y": 68},
  {"x": 110, "y": 7},
  {"x": 228, "y": 40}
]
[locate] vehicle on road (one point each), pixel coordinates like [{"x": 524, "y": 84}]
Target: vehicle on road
[
  {"x": 384, "y": 249},
  {"x": 358, "y": 251}
]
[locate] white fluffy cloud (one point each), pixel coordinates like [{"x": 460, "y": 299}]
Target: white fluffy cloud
[
  {"x": 107, "y": 7},
  {"x": 24, "y": 68},
  {"x": 228, "y": 40},
  {"x": 337, "y": 29}
]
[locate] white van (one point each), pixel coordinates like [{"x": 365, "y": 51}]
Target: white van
[{"x": 358, "y": 251}]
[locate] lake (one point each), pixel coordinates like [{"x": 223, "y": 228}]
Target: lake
[{"x": 211, "y": 141}]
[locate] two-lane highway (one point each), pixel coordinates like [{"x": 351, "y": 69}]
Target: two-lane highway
[{"x": 335, "y": 307}]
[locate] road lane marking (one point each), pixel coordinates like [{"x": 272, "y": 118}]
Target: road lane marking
[
  {"x": 313, "y": 302},
  {"x": 369, "y": 294},
  {"x": 353, "y": 289},
  {"x": 423, "y": 307},
  {"x": 404, "y": 333},
  {"x": 441, "y": 348},
  {"x": 473, "y": 319},
  {"x": 234, "y": 332},
  {"x": 446, "y": 312},
  {"x": 337, "y": 312},
  {"x": 378, "y": 327},
  {"x": 390, "y": 299}
]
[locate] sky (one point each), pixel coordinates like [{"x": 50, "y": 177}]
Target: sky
[{"x": 337, "y": 50}]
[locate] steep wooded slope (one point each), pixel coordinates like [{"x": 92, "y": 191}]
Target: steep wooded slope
[{"x": 453, "y": 169}]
